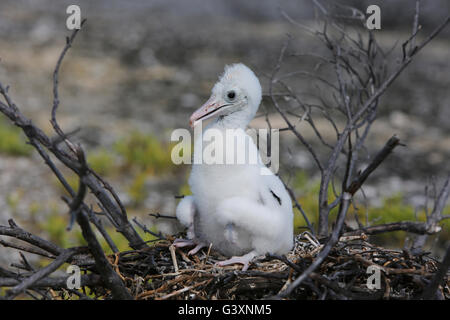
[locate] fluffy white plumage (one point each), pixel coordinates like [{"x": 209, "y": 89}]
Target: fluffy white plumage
[{"x": 243, "y": 210}]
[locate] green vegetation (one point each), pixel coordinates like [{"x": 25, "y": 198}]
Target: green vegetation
[
  {"x": 54, "y": 227},
  {"x": 71, "y": 178},
  {"x": 12, "y": 140},
  {"x": 307, "y": 191},
  {"x": 138, "y": 154},
  {"x": 55, "y": 224},
  {"x": 137, "y": 190},
  {"x": 102, "y": 161},
  {"x": 13, "y": 199},
  {"x": 184, "y": 190},
  {"x": 145, "y": 156},
  {"x": 393, "y": 209},
  {"x": 144, "y": 152}
]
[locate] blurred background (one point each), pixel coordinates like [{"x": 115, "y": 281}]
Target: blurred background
[{"x": 138, "y": 69}]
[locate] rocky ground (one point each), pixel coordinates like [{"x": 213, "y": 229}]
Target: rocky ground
[{"x": 147, "y": 67}]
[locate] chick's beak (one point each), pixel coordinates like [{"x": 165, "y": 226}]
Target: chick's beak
[{"x": 204, "y": 111}]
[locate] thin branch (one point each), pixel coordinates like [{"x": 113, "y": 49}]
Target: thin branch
[
  {"x": 27, "y": 249},
  {"x": 377, "y": 160},
  {"x": 325, "y": 251},
  {"x": 434, "y": 218},
  {"x": 283, "y": 115},
  {"x": 98, "y": 187},
  {"x": 42, "y": 273},
  {"x": 382, "y": 88},
  {"x": 110, "y": 278},
  {"x": 19, "y": 233},
  {"x": 407, "y": 226},
  {"x": 91, "y": 280},
  {"x": 69, "y": 41}
]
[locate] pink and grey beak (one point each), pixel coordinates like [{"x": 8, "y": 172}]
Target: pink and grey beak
[{"x": 205, "y": 111}]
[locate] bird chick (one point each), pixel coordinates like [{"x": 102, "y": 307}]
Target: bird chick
[{"x": 242, "y": 209}]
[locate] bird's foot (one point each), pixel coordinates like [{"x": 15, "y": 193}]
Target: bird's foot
[
  {"x": 180, "y": 243},
  {"x": 244, "y": 260},
  {"x": 197, "y": 248}
]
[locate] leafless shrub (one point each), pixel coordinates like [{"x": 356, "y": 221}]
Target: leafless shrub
[
  {"x": 361, "y": 78},
  {"x": 360, "y": 71}
]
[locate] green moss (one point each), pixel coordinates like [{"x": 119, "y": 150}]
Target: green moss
[
  {"x": 146, "y": 236},
  {"x": 137, "y": 190},
  {"x": 102, "y": 161},
  {"x": 184, "y": 189},
  {"x": 144, "y": 152},
  {"x": 120, "y": 241},
  {"x": 35, "y": 208},
  {"x": 117, "y": 238},
  {"x": 393, "y": 209},
  {"x": 71, "y": 178},
  {"x": 307, "y": 192},
  {"x": 54, "y": 227},
  {"x": 300, "y": 180},
  {"x": 13, "y": 199},
  {"x": 12, "y": 140}
]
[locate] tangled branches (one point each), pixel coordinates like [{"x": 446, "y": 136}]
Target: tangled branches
[
  {"x": 359, "y": 67},
  {"x": 156, "y": 273},
  {"x": 72, "y": 157},
  {"x": 315, "y": 268}
]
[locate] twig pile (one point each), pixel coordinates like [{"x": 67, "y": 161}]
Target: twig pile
[{"x": 163, "y": 272}]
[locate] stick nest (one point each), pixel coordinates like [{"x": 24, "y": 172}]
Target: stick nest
[{"x": 164, "y": 272}]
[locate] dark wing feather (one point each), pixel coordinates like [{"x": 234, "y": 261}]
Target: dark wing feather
[{"x": 276, "y": 197}]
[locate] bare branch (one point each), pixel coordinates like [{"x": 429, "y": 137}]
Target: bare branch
[
  {"x": 110, "y": 278},
  {"x": 379, "y": 157},
  {"x": 327, "y": 248},
  {"x": 23, "y": 235},
  {"x": 59, "y": 261}
]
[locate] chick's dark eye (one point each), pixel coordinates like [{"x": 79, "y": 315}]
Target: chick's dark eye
[{"x": 231, "y": 94}]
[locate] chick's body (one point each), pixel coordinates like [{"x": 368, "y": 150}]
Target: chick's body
[{"x": 238, "y": 205}]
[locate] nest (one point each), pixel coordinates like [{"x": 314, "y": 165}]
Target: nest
[{"x": 164, "y": 272}]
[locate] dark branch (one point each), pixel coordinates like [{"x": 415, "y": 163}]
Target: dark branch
[
  {"x": 42, "y": 273},
  {"x": 379, "y": 157}
]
